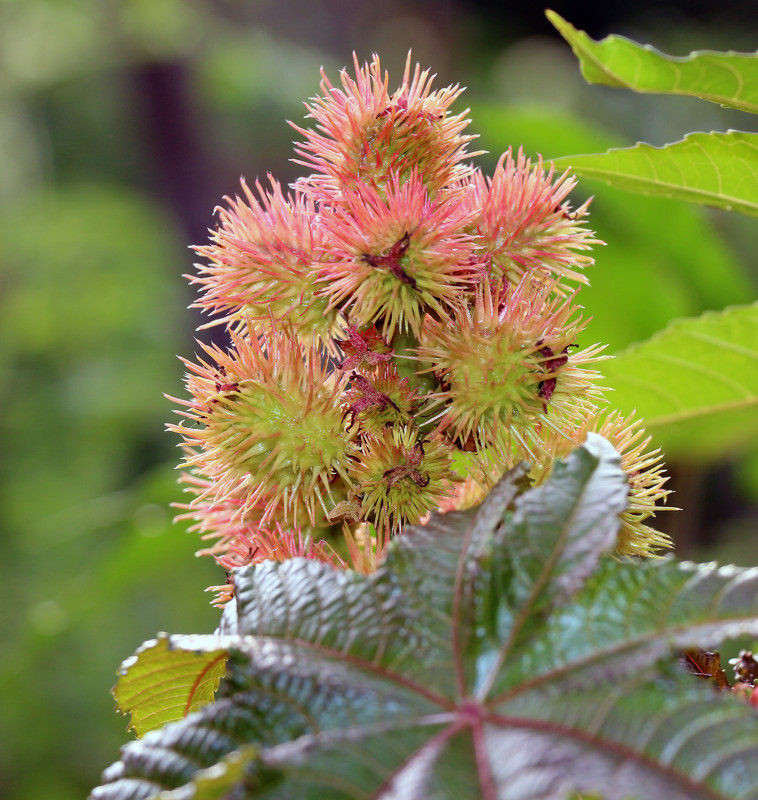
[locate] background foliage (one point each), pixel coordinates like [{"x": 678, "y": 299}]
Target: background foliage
[{"x": 121, "y": 126}]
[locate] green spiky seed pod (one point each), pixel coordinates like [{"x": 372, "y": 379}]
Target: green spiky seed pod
[
  {"x": 644, "y": 472},
  {"x": 505, "y": 370},
  {"x": 269, "y": 426},
  {"x": 400, "y": 477}
]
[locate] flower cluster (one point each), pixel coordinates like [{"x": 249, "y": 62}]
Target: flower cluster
[{"x": 402, "y": 328}]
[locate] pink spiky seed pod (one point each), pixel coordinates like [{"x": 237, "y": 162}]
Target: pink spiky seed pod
[
  {"x": 217, "y": 521},
  {"x": 268, "y": 425},
  {"x": 230, "y": 524},
  {"x": 389, "y": 260},
  {"x": 268, "y": 544},
  {"x": 280, "y": 543},
  {"x": 506, "y": 369},
  {"x": 254, "y": 544},
  {"x": 524, "y": 222},
  {"x": 261, "y": 266},
  {"x": 365, "y": 135},
  {"x": 400, "y": 477}
]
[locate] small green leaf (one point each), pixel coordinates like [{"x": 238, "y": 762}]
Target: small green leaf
[
  {"x": 713, "y": 169},
  {"x": 730, "y": 79},
  {"x": 167, "y": 678},
  {"x": 695, "y": 383}
]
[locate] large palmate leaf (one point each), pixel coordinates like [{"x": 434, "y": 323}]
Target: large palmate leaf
[
  {"x": 698, "y": 376},
  {"x": 497, "y": 653},
  {"x": 730, "y": 79}
]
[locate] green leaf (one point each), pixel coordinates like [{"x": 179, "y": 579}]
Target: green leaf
[
  {"x": 168, "y": 678},
  {"x": 663, "y": 257},
  {"x": 496, "y": 653},
  {"x": 713, "y": 169},
  {"x": 695, "y": 383},
  {"x": 730, "y": 79}
]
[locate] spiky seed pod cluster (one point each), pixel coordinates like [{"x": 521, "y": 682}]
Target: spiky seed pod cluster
[{"x": 403, "y": 328}]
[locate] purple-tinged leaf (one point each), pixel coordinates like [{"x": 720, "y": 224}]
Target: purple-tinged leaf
[{"x": 492, "y": 655}]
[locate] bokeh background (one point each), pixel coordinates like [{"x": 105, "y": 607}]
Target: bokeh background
[{"x": 122, "y": 124}]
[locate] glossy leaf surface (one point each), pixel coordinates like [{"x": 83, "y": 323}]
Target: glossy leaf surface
[{"x": 498, "y": 652}]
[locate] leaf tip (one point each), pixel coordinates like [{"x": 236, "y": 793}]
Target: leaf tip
[{"x": 559, "y": 23}]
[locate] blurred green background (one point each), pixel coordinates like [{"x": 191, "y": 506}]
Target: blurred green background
[{"x": 122, "y": 124}]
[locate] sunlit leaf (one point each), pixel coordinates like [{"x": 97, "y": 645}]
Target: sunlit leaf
[
  {"x": 168, "y": 678},
  {"x": 663, "y": 258},
  {"x": 713, "y": 169},
  {"x": 695, "y": 383},
  {"x": 496, "y": 653},
  {"x": 729, "y": 78}
]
